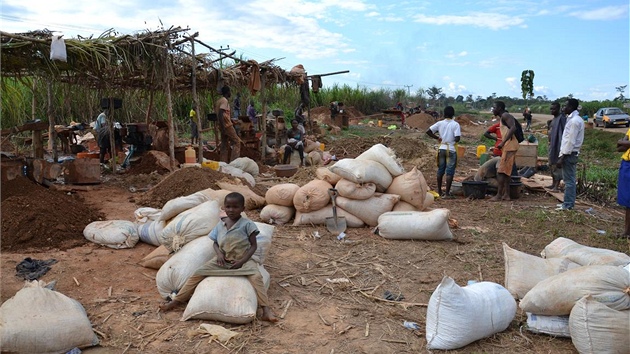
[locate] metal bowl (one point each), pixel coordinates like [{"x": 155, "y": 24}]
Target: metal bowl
[{"x": 285, "y": 170}]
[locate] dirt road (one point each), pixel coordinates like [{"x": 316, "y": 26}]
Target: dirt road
[{"x": 541, "y": 119}]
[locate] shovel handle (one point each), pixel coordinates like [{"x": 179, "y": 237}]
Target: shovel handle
[{"x": 333, "y": 195}]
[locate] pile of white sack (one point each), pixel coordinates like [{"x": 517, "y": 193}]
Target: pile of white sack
[
  {"x": 574, "y": 291},
  {"x": 373, "y": 189},
  {"x": 313, "y": 156}
]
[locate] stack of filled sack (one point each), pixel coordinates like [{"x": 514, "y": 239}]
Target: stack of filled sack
[
  {"x": 373, "y": 189},
  {"x": 574, "y": 291}
]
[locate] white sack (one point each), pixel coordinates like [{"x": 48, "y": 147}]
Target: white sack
[
  {"x": 218, "y": 195},
  {"x": 352, "y": 190},
  {"x": 411, "y": 187},
  {"x": 58, "y": 49},
  {"x": 583, "y": 255},
  {"x": 312, "y": 196},
  {"x": 277, "y": 214},
  {"x": 146, "y": 214},
  {"x": 230, "y": 299},
  {"x": 311, "y": 146},
  {"x": 523, "y": 271},
  {"x": 324, "y": 173},
  {"x": 237, "y": 172},
  {"x": 557, "y": 326},
  {"x": 190, "y": 224},
  {"x": 404, "y": 206},
  {"x": 314, "y": 158},
  {"x": 318, "y": 217},
  {"x": 246, "y": 165},
  {"x": 556, "y": 295},
  {"x": 598, "y": 329},
  {"x": 417, "y": 225},
  {"x": 428, "y": 201},
  {"x": 173, "y": 274},
  {"x": 39, "y": 320},
  {"x": 112, "y": 233},
  {"x": 150, "y": 231},
  {"x": 177, "y": 205},
  {"x": 155, "y": 259},
  {"x": 281, "y": 194},
  {"x": 458, "y": 316},
  {"x": 363, "y": 171},
  {"x": 370, "y": 209},
  {"x": 385, "y": 156},
  {"x": 263, "y": 241}
]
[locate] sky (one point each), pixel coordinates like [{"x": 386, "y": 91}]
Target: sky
[{"x": 465, "y": 48}]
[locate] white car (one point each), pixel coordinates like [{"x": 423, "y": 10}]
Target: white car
[{"x": 610, "y": 117}]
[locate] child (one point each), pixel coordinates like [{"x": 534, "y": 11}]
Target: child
[
  {"x": 234, "y": 244},
  {"x": 449, "y": 135}
]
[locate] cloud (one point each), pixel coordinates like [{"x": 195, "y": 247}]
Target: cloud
[
  {"x": 511, "y": 81},
  {"x": 372, "y": 14},
  {"x": 451, "y": 55},
  {"x": 494, "y": 21},
  {"x": 603, "y": 14}
]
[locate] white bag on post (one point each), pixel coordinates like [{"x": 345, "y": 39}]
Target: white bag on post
[
  {"x": 458, "y": 316},
  {"x": 58, "y": 49}
]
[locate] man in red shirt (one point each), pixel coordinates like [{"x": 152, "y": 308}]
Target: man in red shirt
[{"x": 496, "y": 130}]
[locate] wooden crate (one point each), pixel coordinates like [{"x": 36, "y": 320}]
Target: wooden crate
[{"x": 527, "y": 154}]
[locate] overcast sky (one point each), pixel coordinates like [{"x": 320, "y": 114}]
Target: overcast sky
[{"x": 464, "y": 47}]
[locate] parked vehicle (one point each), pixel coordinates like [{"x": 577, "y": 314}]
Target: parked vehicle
[{"x": 610, "y": 117}]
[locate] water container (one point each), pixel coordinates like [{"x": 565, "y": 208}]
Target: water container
[
  {"x": 484, "y": 157},
  {"x": 481, "y": 149},
  {"x": 380, "y": 123},
  {"x": 322, "y": 146},
  {"x": 190, "y": 155},
  {"x": 214, "y": 165},
  {"x": 461, "y": 150}
]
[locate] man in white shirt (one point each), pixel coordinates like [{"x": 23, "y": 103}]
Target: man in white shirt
[
  {"x": 572, "y": 139},
  {"x": 449, "y": 134}
]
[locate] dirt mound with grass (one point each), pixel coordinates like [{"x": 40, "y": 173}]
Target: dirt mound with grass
[
  {"x": 151, "y": 161},
  {"x": 322, "y": 114},
  {"x": 465, "y": 120},
  {"x": 36, "y": 217},
  {"x": 186, "y": 181}
]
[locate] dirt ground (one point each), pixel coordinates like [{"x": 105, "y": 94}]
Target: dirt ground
[{"x": 322, "y": 317}]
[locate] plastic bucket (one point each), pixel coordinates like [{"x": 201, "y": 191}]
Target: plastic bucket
[
  {"x": 461, "y": 150},
  {"x": 322, "y": 146},
  {"x": 475, "y": 189},
  {"x": 515, "y": 189}
]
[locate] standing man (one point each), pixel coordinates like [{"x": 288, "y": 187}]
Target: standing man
[
  {"x": 509, "y": 147},
  {"x": 229, "y": 140},
  {"x": 194, "y": 130},
  {"x": 527, "y": 114},
  {"x": 496, "y": 130},
  {"x": 237, "y": 106},
  {"x": 251, "y": 114},
  {"x": 449, "y": 134},
  {"x": 623, "y": 192},
  {"x": 299, "y": 117},
  {"x": 556, "y": 128},
  {"x": 572, "y": 139}
]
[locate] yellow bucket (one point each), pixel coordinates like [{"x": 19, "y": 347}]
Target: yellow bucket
[
  {"x": 481, "y": 149},
  {"x": 380, "y": 123},
  {"x": 214, "y": 165},
  {"x": 322, "y": 146}
]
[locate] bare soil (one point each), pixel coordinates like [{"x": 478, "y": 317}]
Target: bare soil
[{"x": 323, "y": 317}]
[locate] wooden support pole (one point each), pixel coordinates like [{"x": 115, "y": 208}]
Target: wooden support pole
[
  {"x": 147, "y": 119},
  {"x": 196, "y": 100},
  {"x": 112, "y": 136},
  {"x": 169, "y": 106},
  {"x": 52, "y": 134}
]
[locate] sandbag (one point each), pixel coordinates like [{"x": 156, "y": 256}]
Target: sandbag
[
  {"x": 230, "y": 299},
  {"x": 150, "y": 231},
  {"x": 218, "y": 195},
  {"x": 358, "y": 191},
  {"x": 458, "y": 316},
  {"x": 237, "y": 172},
  {"x": 277, "y": 214},
  {"x": 523, "y": 271},
  {"x": 311, "y": 146},
  {"x": 428, "y": 201},
  {"x": 598, "y": 329},
  {"x": 583, "y": 255},
  {"x": 177, "y": 205},
  {"x": 246, "y": 165},
  {"x": 281, "y": 194},
  {"x": 385, "y": 156},
  {"x": 156, "y": 258},
  {"x": 146, "y": 214},
  {"x": 314, "y": 158},
  {"x": 174, "y": 273},
  {"x": 263, "y": 241},
  {"x": 312, "y": 196},
  {"x": 557, "y": 326},
  {"x": 112, "y": 233},
  {"x": 363, "y": 171},
  {"x": 252, "y": 200},
  {"x": 190, "y": 224},
  {"x": 318, "y": 217},
  {"x": 40, "y": 320},
  {"x": 324, "y": 173},
  {"x": 417, "y": 225},
  {"x": 411, "y": 187},
  {"x": 556, "y": 295},
  {"x": 370, "y": 209},
  {"x": 404, "y": 206}
]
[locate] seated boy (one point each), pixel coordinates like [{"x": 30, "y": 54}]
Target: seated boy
[{"x": 234, "y": 244}]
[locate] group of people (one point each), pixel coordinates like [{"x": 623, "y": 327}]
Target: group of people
[{"x": 566, "y": 135}]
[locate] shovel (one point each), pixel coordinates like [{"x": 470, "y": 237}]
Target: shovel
[{"x": 335, "y": 224}]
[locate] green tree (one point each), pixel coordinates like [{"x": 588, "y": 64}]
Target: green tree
[
  {"x": 527, "y": 84},
  {"x": 621, "y": 90},
  {"x": 434, "y": 93}
]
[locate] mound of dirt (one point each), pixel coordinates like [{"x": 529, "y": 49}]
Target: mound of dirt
[
  {"x": 151, "y": 161},
  {"x": 322, "y": 114},
  {"x": 465, "y": 120},
  {"x": 405, "y": 148},
  {"x": 420, "y": 121},
  {"x": 36, "y": 217},
  {"x": 186, "y": 181}
]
